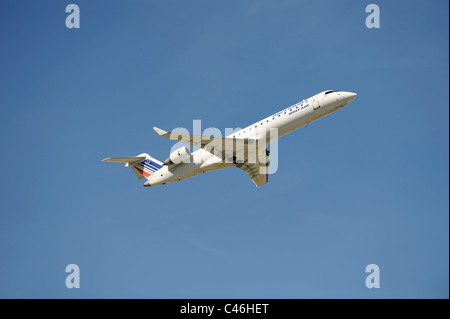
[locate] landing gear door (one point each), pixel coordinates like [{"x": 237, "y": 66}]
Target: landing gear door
[{"x": 315, "y": 102}]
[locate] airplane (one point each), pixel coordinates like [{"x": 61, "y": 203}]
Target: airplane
[{"x": 245, "y": 148}]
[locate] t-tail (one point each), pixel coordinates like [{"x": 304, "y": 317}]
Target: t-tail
[{"x": 143, "y": 165}]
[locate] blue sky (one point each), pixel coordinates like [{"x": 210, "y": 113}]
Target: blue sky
[{"x": 367, "y": 184}]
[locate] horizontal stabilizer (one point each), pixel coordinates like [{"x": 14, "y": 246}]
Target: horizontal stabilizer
[
  {"x": 126, "y": 160},
  {"x": 143, "y": 165}
]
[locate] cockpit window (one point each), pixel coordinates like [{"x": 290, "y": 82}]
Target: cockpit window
[{"x": 328, "y": 92}]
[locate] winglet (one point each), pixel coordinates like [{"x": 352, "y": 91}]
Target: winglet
[{"x": 160, "y": 131}]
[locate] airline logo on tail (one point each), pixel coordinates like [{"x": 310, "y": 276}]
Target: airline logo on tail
[{"x": 147, "y": 167}]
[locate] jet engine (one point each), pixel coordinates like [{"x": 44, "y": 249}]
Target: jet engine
[{"x": 181, "y": 155}]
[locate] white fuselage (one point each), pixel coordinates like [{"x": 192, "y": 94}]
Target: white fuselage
[{"x": 284, "y": 121}]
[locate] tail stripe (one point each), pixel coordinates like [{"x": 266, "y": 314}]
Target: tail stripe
[
  {"x": 156, "y": 165},
  {"x": 150, "y": 166},
  {"x": 144, "y": 167},
  {"x": 153, "y": 166},
  {"x": 143, "y": 172}
]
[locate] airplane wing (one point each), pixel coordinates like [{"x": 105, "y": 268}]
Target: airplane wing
[
  {"x": 254, "y": 172},
  {"x": 226, "y": 148},
  {"x": 237, "y": 151}
]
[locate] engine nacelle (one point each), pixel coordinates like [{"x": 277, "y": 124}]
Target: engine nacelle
[{"x": 181, "y": 155}]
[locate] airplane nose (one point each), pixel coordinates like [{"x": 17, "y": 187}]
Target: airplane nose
[{"x": 350, "y": 96}]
